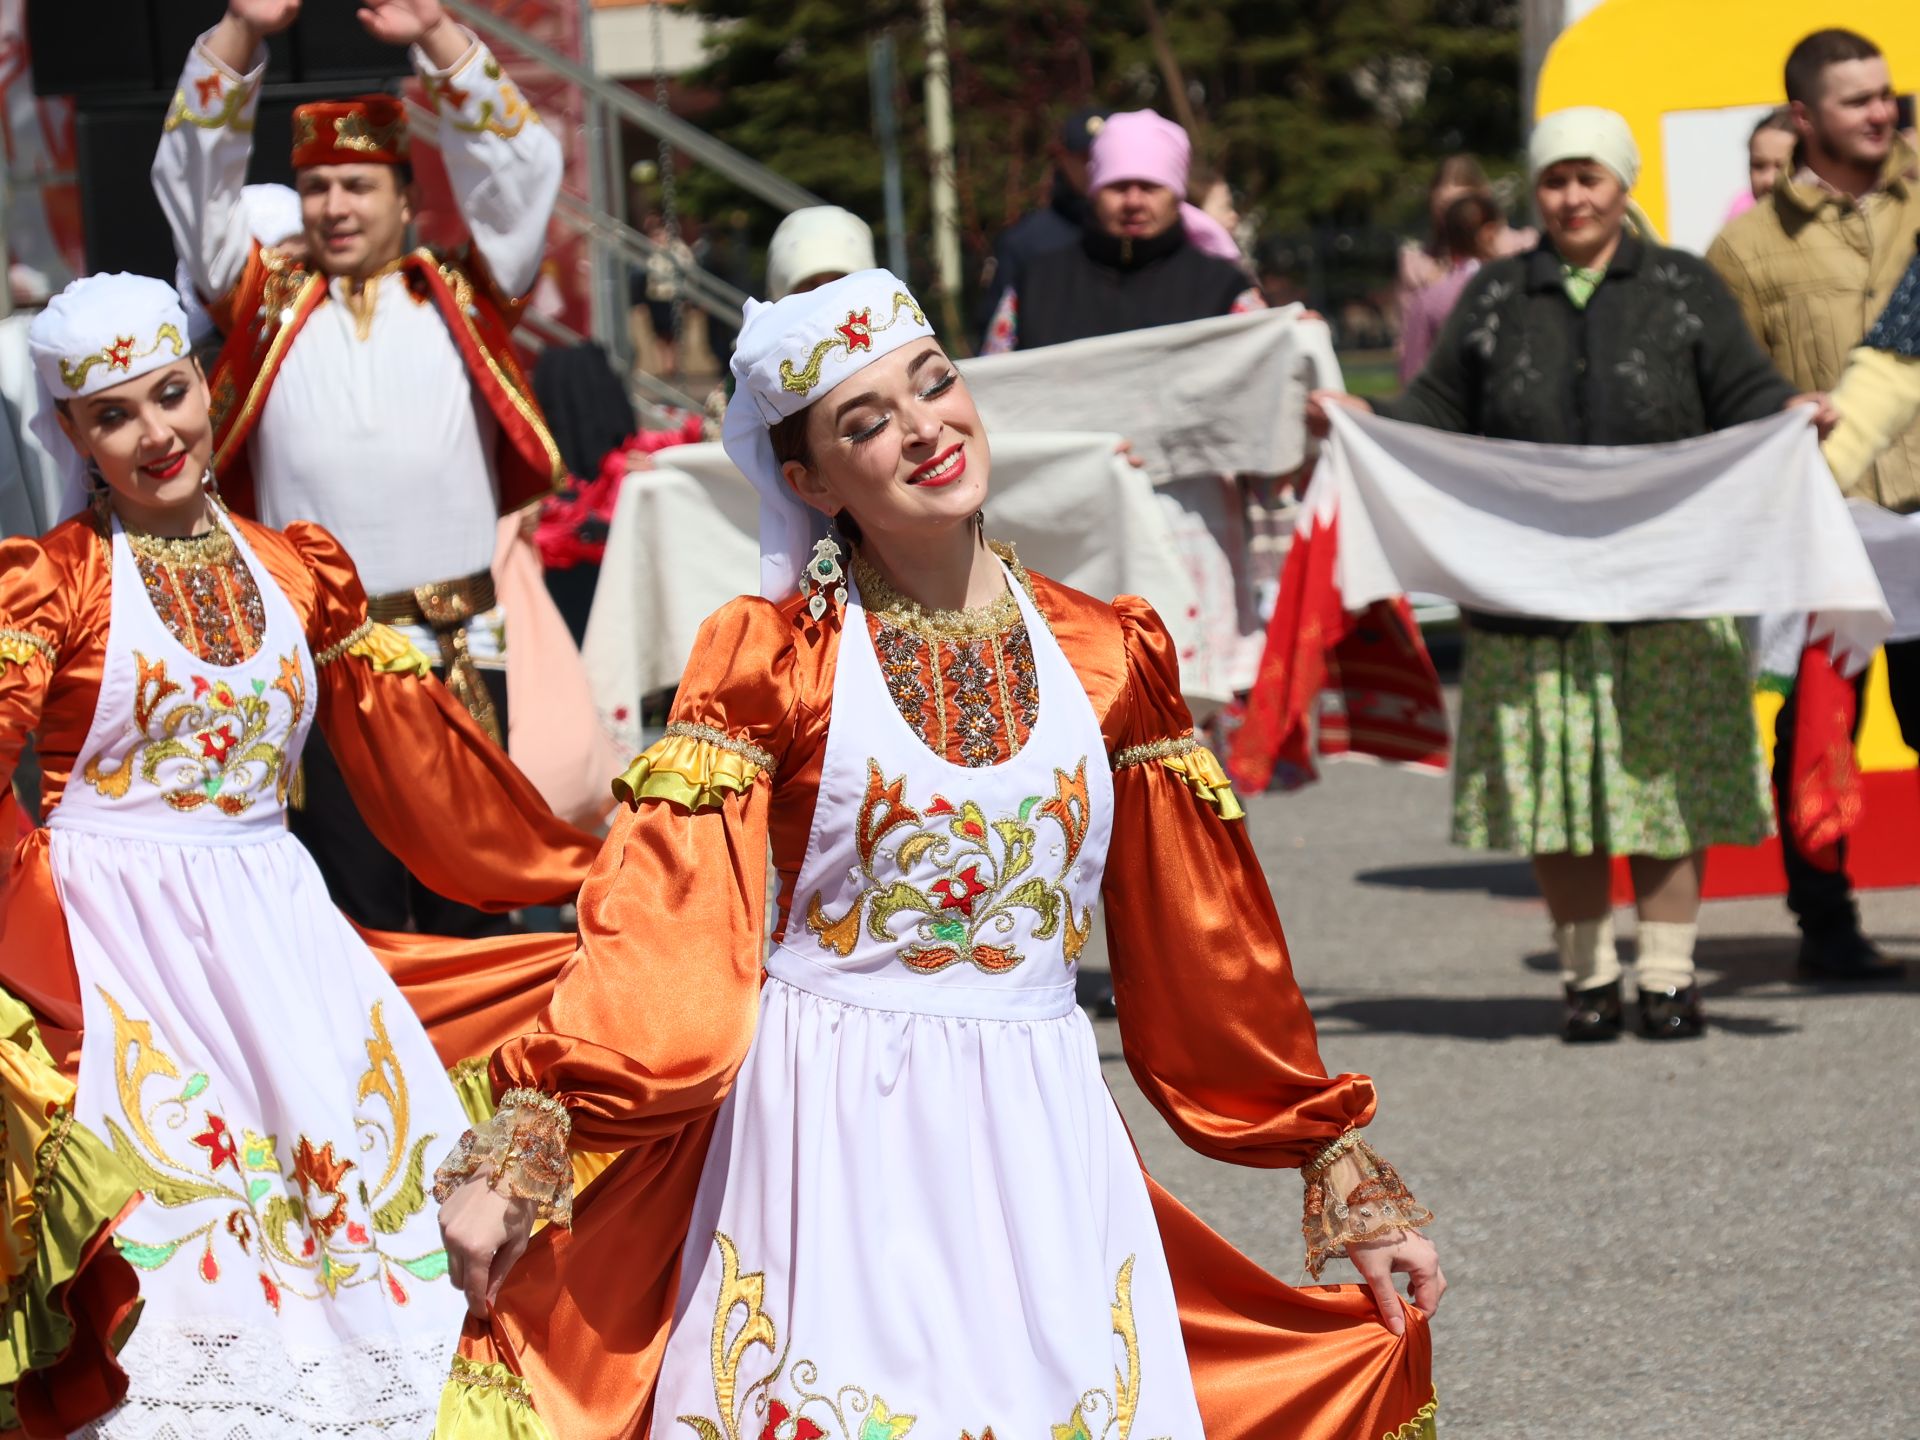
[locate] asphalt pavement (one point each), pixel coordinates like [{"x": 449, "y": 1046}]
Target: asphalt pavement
[{"x": 1714, "y": 1238}]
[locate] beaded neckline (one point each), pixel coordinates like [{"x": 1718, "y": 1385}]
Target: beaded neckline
[
  {"x": 213, "y": 548},
  {"x": 904, "y": 612}
]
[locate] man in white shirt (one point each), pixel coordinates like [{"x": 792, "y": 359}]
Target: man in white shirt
[{"x": 366, "y": 386}]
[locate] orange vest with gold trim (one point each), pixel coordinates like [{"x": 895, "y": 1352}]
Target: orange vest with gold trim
[{"x": 277, "y": 293}]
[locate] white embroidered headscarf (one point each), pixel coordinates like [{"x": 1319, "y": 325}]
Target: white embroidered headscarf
[
  {"x": 99, "y": 332},
  {"x": 789, "y": 354}
]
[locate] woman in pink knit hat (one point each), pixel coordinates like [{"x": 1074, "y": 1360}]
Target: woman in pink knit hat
[{"x": 1146, "y": 258}]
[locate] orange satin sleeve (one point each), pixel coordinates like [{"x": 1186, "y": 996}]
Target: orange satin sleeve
[
  {"x": 57, "y": 590},
  {"x": 652, "y": 1017},
  {"x": 432, "y": 787},
  {"x": 1212, "y": 1021}
]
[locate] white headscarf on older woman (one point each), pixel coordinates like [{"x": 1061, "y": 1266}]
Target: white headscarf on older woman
[{"x": 1590, "y": 132}]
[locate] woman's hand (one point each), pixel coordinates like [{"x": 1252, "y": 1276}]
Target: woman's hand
[
  {"x": 1409, "y": 1253},
  {"x": 1825, "y": 415},
  {"x": 1127, "y": 453},
  {"x": 485, "y": 1232},
  {"x": 1317, "y": 422}
]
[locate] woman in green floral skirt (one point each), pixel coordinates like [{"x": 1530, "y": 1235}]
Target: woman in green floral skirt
[{"x": 1580, "y": 742}]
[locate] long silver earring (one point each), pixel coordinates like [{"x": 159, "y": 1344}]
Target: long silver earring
[{"x": 824, "y": 581}]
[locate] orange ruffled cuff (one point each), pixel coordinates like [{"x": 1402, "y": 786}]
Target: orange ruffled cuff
[
  {"x": 522, "y": 1150},
  {"x": 1353, "y": 1196}
]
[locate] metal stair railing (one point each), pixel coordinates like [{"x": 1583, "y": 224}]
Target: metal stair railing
[
  {"x": 749, "y": 174},
  {"x": 712, "y": 294}
]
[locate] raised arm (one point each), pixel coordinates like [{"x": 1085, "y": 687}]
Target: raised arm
[
  {"x": 504, "y": 164},
  {"x": 200, "y": 168}
]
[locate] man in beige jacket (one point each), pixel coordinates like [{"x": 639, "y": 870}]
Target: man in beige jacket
[{"x": 1812, "y": 265}]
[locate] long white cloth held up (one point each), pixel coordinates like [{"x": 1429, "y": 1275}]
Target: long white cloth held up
[
  {"x": 1225, "y": 396},
  {"x": 1745, "y": 521}
]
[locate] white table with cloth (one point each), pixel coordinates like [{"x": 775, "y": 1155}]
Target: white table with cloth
[{"x": 1202, "y": 403}]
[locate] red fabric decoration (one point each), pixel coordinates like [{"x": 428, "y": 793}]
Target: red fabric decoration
[
  {"x": 1389, "y": 704},
  {"x": 1824, "y": 798}
]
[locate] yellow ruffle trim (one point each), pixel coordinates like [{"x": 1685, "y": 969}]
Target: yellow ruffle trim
[
  {"x": 1207, "y": 778},
  {"x": 381, "y": 646},
  {"x": 32, "y": 1092},
  {"x": 79, "y": 1188},
  {"x": 487, "y": 1402},
  {"x": 695, "y": 774},
  {"x": 1423, "y": 1426},
  {"x": 17, "y": 647}
]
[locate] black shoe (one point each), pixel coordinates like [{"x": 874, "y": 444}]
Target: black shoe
[
  {"x": 1846, "y": 955},
  {"x": 1592, "y": 1014},
  {"x": 1671, "y": 1014}
]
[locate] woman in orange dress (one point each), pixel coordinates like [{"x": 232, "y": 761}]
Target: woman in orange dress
[
  {"x": 196, "y": 1022},
  {"x": 869, "y": 1182}
]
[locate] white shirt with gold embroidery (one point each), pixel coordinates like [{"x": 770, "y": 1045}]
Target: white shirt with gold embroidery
[{"x": 372, "y": 427}]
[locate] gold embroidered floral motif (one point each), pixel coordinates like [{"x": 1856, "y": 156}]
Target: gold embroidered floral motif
[
  {"x": 211, "y": 744},
  {"x": 301, "y": 1226},
  {"x": 120, "y": 355},
  {"x": 355, "y": 132},
  {"x": 227, "y": 116},
  {"x": 513, "y": 115},
  {"x": 855, "y": 334},
  {"x": 980, "y": 884},
  {"x": 755, "y": 1412}
]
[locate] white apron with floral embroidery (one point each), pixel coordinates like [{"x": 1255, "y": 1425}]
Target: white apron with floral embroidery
[
  {"x": 921, "y": 1215},
  {"x": 248, "y": 1058}
]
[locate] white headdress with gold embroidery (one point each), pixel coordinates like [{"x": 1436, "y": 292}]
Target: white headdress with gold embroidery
[
  {"x": 789, "y": 354},
  {"x": 100, "y": 331}
]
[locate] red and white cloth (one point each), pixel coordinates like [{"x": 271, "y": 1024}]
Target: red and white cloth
[{"x": 1745, "y": 521}]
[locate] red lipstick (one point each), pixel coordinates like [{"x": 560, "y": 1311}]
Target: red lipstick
[
  {"x": 167, "y": 469},
  {"x": 930, "y": 474}
]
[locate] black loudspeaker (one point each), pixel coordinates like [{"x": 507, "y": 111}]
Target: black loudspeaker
[
  {"x": 120, "y": 217},
  {"x": 91, "y": 47},
  {"x": 116, "y": 48}
]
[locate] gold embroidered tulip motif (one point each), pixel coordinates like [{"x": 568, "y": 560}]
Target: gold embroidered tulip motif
[
  {"x": 981, "y": 873},
  {"x": 789, "y": 1402},
  {"x": 300, "y": 1230}
]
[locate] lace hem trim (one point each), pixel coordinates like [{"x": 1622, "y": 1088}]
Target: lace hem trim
[
  {"x": 246, "y": 1382},
  {"x": 521, "y": 1150}
]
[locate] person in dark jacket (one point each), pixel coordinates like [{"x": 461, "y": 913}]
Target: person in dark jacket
[
  {"x": 1054, "y": 226},
  {"x": 1134, "y": 265},
  {"x": 1579, "y": 742}
]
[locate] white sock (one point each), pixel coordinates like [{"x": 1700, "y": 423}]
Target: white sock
[
  {"x": 1665, "y": 957},
  {"x": 1587, "y": 955}
]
